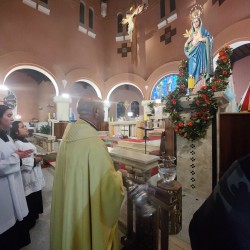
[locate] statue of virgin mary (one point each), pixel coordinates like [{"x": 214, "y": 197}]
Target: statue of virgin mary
[{"x": 198, "y": 49}]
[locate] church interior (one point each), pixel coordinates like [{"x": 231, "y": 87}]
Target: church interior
[{"x": 131, "y": 54}]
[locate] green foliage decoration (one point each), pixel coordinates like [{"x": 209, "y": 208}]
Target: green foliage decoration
[
  {"x": 204, "y": 105},
  {"x": 45, "y": 129}
]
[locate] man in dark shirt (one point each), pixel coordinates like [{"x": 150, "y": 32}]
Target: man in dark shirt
[{"x": 223, "y": 221}]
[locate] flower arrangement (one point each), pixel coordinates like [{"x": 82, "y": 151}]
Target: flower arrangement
[
  {"x": 203, "y": 106},
  {"x": 151, "y": 107},
  {"x": 45, "y": 129}
]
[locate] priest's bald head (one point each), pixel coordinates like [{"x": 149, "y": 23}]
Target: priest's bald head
[{"x": 90, "y": 108}]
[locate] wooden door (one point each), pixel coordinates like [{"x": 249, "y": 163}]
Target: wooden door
[
  {"x": 234, "y": 134},
  {"x": 59, "y": 128}
]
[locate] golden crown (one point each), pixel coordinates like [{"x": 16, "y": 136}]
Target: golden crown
[{"x": 196, "y": 11}]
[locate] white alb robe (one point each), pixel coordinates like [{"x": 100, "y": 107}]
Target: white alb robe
[
  {"x": 33, "y": 180},
  {"x": 13, "y": 204}
]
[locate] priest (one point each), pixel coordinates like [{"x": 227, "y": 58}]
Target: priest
[{"x": 87, "y": 190}]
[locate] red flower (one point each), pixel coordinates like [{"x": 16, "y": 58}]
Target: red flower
[
  {"x": 176, "y": 128},
  {"x": 222, "y": 57},
  {"x": 214, "y": 88},
  {"x": 189, "y": 124},
  {"x": 222, "y": 53},
  {"x": 180, "y": 124},
  {"x": 174, "y": 101},
  {"x": 197, "y": 102},
  {"x": 224, "y": 72},
  {"x": 203, "y": 96},
  {"x": 180, "y": 132}
]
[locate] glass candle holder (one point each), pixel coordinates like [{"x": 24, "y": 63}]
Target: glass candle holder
[
  {"x": 168, "y": 158},
  {"x": 167, "y": 172}
]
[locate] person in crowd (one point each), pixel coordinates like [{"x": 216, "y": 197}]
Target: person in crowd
[
  {"x": 32, "y": 175},
  {"x": 223, "y": 221},
  {"x": 87, "y": 190},
  {"x": 13, "y": 207},
  {"x": 198, "y": 49}
]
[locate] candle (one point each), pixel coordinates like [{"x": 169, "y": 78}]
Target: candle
[
  {"x": 145, "y": 117},
  {"x": 190, "y": 82},
  {"x": 48, "y": 115}
]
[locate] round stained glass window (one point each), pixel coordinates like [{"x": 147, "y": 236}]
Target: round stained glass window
[{"x": 164, "y": 86}]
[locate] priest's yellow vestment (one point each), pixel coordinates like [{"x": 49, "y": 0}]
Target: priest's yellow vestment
[{"x": 87, "y": 193}]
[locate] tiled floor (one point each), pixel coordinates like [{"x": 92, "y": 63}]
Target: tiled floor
[{"x": 40, "y": 233}]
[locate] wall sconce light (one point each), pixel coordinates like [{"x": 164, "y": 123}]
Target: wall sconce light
[
  {"x": 3, "y": 93},
  {"x": 65, "y": 95},
  {"x": 130, "y": 114},
  {"x": 3, "y": 87},
  {"x": 18, "y": 117}
]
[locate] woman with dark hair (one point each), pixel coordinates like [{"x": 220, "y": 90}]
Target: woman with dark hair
[
  {"x": 13, "y": 207},
  {"x": 32, "y": 176}
]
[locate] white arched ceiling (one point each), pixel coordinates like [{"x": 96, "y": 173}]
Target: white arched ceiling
[
  {"x": 98, "y": 92},
  {"x": 37, "y": 69},
  {"x": 120, "y": 84}
]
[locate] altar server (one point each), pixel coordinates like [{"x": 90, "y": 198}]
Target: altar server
[
  {"x": 13, "y": 207},
  {"x": 32, "y": 175}
]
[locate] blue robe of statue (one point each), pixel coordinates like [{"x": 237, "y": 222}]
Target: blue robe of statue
[{"x": 200, "y": 56}]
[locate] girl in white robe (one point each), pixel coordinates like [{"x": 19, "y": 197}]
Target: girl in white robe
[
  {"x": 33, "y": 180},
  {"x": 13, "y": 207}
]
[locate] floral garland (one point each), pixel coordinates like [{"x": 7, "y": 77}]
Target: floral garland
[{"x": 203, "y": 106}]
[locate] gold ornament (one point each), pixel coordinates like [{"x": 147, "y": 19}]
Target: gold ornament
[
  {"x": 196, "y": 11},
  {"x": 187, "y": 34}
]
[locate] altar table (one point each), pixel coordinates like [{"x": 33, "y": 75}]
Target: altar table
[{"x": 141, "y": 164}]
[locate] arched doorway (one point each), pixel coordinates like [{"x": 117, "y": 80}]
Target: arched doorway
[
  {"x": 125, "y": 93},
  {"x": 34, "y": 92}
]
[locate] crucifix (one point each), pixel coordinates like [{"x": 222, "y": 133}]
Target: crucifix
[{"x": 130, "y": 20}]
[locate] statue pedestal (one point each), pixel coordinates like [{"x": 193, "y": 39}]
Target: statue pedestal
[{"x": 197, "y": 160}]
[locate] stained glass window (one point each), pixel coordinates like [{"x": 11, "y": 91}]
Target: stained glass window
[
  {"x": 82, "y": 14},
  {"x": 164, "y": 86},
  {"x": 119, "y": 23},
  {"x": 91, "y": 18},
  {"x": 120, "y": 109},
  {"x": 135, "y": 108}
]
